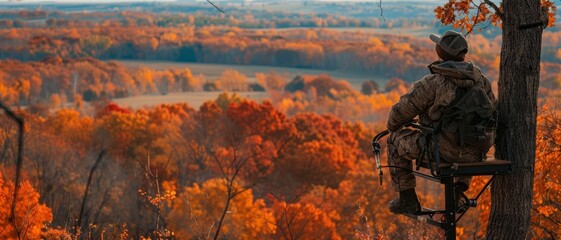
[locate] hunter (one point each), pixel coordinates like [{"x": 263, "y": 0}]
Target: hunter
[{"x": 429, "y": 100}]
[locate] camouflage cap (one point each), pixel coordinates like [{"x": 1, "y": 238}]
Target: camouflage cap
[{"x": 452, "y": 42}]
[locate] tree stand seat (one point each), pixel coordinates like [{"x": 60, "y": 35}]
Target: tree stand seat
[
  {"x": 487, "y": 167},
  {"x": 446, "y": 219},
  {"x": 443, "y": 172}
]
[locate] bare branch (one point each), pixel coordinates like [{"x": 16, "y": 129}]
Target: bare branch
[
  {"x": 381, "y": 11},
  {"x": 224, "y": 211},
  {"x": 90, "y": 177},
  {"x": 497, "y": 9},
  {"x": 288, "y": 224},
  {"x": 222, "y": 168},
  {"x": 104, "y": 200},
  {"x": 487, "y": 26},
  {"x": 475, "y": 21},
  {"x": 215, "y": 6},
  {"x": 551, "y": 234},
  {"x": 20, "y": 123},
  {"x": 165, "y": 165}
]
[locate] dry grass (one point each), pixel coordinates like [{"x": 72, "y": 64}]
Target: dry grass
[{"x": 213, "y": 71}]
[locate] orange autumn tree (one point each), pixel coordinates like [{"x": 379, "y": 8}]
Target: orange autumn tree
[
  {"x": 30, "y": 216},
  {"x": 121, "y": 131},
  {"x": 195, "y": 213},
  {"x": 303, "y": 221},
  {"x": 321, "y": 152},
  {"x": 236, "y": 140},
  {"x": 522, "y": 25},
  {"x": 546, "y": 209},
  {"x": 547, "y": 188},
  {"x": 467, "y": 14},
  {"x": 266, "y": 130}
]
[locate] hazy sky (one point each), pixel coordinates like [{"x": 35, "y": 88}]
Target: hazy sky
[
  {"x": 112, "y": 1},
  {"x": 89, "y": 1}
]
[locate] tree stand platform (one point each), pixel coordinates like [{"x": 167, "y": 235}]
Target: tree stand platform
[{"x": 444, "y": 173}]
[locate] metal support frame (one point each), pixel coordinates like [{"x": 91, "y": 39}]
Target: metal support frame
[
  {"x": 449, "y": 225},
  {"x": 444, "y": 173},
  {"x": 446, "y": 219}
]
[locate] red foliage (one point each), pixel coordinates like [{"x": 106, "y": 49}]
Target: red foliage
[{"x": 110, "y": 109}]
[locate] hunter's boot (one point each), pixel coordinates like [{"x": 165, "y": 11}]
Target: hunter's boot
[{"x": 406, "y": 203}]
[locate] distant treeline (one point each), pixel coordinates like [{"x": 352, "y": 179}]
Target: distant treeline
[
  {"x": 38, "y": 19},
  {"x": 390, "y": 55},
  {"x": 53, "y": 83},
  {"x": 56, "y": 81},
  {"x": 252, "y": 15},
  {"x": 398, "y": 56}
]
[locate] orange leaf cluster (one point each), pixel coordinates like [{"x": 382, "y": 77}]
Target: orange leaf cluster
[
  {"x": 465, "y": 14},
  {"x": 30, "y": 215}
]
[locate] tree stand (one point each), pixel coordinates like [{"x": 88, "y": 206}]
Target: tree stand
[{"x": 444, "y": 173}]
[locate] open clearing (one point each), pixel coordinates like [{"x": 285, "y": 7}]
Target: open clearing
[
  {"x": 418, "y": 32},
  {"x": 213, "y": 71}
]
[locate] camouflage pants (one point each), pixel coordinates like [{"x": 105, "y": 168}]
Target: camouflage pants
[{"x": 404, "y": 146}]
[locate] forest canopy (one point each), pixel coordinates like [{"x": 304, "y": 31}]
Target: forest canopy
[{"x": 296, "y": 165}]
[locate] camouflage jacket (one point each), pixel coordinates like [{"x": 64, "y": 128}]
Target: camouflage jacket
[{"x": 429, "y": 97}]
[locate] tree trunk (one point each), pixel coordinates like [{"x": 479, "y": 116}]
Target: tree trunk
[{"x": 518, "y": 87}]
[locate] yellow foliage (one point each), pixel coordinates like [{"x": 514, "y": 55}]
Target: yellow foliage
[
  {"x": 56, "y": 234},
  {"x": 232, "y": 80},
  {"x": 375, "y": 41},
  {"x": 196, "y": 212}
]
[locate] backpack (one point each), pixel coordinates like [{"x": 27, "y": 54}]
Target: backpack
[{"x": 470, "y": 120}]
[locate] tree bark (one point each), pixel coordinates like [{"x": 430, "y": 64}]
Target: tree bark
[{"x": 516, "y": 141}]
